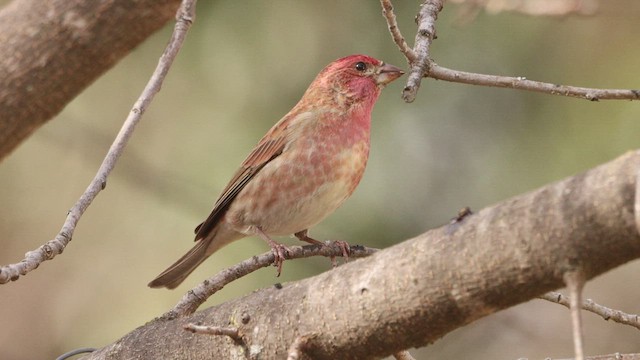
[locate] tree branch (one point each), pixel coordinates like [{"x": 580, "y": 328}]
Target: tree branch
[
  {"x": 574, "y": 279},
  {"x": 422, "y": 65},
  {"x": 521, "y": 83},
  {"x": 415, "y": 292},
  {"x": 231, "y": 332},
  {"x": 52, "y": 50},
  {"x": 591, "y": 306},
  {"x": 390, "y": 16},
  {"x": 53, "y": 247},
  {"x": 198, "y": 295}
]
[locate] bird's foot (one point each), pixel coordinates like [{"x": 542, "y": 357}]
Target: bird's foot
[
  {"x": 279, "y": 251},
  {"x": 343, "y": 245},
  {"x": 279, "y": 254}
]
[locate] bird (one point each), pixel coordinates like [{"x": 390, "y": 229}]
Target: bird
[{"x": 301, "y": 171}]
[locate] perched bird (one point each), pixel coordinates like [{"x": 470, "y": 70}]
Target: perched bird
[{"x": 301, "y": 171}]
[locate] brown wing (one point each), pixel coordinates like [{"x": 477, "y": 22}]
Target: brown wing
[{"x": 268, "y": 149}]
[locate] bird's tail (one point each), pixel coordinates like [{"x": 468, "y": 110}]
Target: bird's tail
[{"x": 175, "y": 274}]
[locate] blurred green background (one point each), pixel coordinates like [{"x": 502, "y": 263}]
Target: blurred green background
[{"x": 244, "y": 65}]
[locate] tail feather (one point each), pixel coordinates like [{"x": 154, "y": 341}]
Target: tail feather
[{"x": 175, "y": 274}]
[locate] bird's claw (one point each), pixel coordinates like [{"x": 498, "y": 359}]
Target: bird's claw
[
  {"x": 280, "y": 253},
  {"x": 344, "y": 247}
]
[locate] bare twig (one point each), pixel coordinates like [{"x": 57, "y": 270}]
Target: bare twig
[
  {"x": 403, "y": 355},
  {"x": 591, "y": 306},
  {"x": 424, "y": 37},
  {"x": 423, "y": 66},
  {"x": 75, "y": 352},
  {"x": 231, "y": 332},
  {"x": 575, "y": 280},
  {"x": 184, "y": 19},
  {"x": 387, "y": 12},
  {"x": 441, "y": 73},
  {"x": 299, "y": 345},
  {"x": 198, "y": 295}
]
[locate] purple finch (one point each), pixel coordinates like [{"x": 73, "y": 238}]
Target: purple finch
[{"x": 301, "y": 171}]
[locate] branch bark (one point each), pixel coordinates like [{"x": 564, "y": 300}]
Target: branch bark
[
  {"x": 52, "y": 50},
  {"x": 415, "y": 292}
]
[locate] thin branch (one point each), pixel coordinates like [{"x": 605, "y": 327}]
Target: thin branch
[
  {"x": 231, "y": 332},
  {"x": 198, "y": 295},
  {"x": 184, "y": 19},
  {"x": 575, "y": 280},
  {"x": 424, "y": 37},
  {"x": 387, "y": 12},
  {"x": 75, "y": 352},
  {"x": 591, "y": 306},
  {"x": 521, "y": 83},
  {"x": 423, "y": 66}
]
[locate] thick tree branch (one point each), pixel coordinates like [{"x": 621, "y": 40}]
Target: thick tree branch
[
  {"x": 415, "y": 292},
  {"x": 422, "y": 65},
  {"x": 55, "y": 246},
  {"x": 54, "y": 49}
]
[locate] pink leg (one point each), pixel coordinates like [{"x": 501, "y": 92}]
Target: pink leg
[
  {"x": 343, "y": 245},
  {"x": 279, "y": 250}
]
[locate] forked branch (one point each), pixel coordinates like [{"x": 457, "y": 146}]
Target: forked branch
[{"x": 421, "y": 64}]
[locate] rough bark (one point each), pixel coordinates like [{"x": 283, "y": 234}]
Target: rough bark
[
  {"x": 52, "y": 50},
  {"x": 413, "y": 293}
]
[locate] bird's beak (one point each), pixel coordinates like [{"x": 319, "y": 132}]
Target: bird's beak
[{"x": 387, "y": 73}]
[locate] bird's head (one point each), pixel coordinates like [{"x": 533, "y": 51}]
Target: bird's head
[{"x": 356, "y": 79}]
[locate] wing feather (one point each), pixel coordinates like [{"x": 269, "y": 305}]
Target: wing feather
[{"x": 270, "y": 147}]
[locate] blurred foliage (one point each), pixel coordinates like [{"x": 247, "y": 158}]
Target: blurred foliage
[{"x": 244, "y": 65}]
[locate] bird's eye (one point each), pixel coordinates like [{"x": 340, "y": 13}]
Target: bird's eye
[{"x": 360, "y": 66}]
